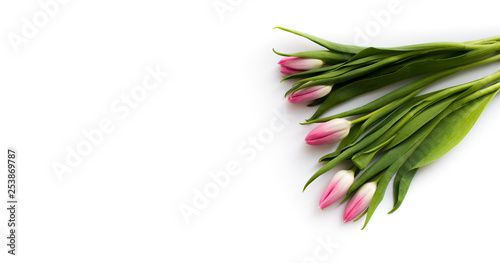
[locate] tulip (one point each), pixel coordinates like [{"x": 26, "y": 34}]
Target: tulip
[
  {"x": 360, "y": 201},
  {"x": 309, "y": 93},
  {"x": 297, "y": 63},
  {"x": 336, "y": 188},
  {"x": 289, "y": 71},
  {"x": 329, "y": 132}
]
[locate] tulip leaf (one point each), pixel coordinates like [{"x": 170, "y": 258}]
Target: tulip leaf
[
  {"x": 316, "y": 102},
  {"x": 402, "y": 184},
  {"x": 446, "y": 135},
  {"x": 310, "y": 73},
  {"x": 329, "y": 57},
  {"x": 343, "y": 144},
  {"x": 336, "y": 157},
  {"x": 362, "y": 159},
  {"x": 383, "y": 183},
  {"x": 351, "y": 72},
  {"x": 356, "y": 60},
  {"x": 360, "y": 216},
  {"x": 411, "y": 68},
  {"x": 351, "y": 136},
  {"x": 390, "y": 157},
  {"x": 405, "y": 150},
  {"x": 452, "y": 130},
  {"x": 420, "y": 120},
  {"x": 324, "y": 43}
]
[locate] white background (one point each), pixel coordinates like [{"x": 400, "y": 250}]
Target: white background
[{"x": 121, "y": 203}]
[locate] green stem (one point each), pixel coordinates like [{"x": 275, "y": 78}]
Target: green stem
[
  {"x": 484, "y": 40},
  {"x": 378, "y": 178},
  {"x": 354, "y": 169},
  {"x": 365, "y": 117}
]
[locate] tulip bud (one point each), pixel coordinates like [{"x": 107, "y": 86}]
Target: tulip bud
[
  {"x": 336, "y": 188},
  {"x": 329, "y": 132},
  {"x": 360, "y": 201},
  {"x": 296, "y": 63},
  {"x": 309, "y": 93},
  {"x": 289, "y": 71}
]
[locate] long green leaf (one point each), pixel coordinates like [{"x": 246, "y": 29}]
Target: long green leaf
[
  {"x": 452, "y": 127},
  {"x": 324, "y": 43},
  {"x": 410, "y": 69}
]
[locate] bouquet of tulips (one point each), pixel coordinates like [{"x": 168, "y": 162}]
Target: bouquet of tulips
[{"x": 397, "y": 133}]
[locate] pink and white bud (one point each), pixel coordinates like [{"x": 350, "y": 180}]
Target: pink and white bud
[
  {"x": 329, "y": 132},
  {"x": 297, "y": 63},
  {"x": 309, "y": 93},
  {"x": 289, "y": 71},
  {"x": 360, "y": 201},
  {"x": 336, "y": 188}
]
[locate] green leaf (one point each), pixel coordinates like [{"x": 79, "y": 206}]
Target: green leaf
[
  {"x": 324, "y": 43},
  {"x": 451, "y": 126},
  {"x": 351, "y": 136},
  {"x": 411, "y": 68},
  {"x": 363, "y": 158},
  {"x": 329, "y": 57},
  {"x": 386, "y": 160},
  {"x": 402, "y": 184},
  {"x": 310, "y": 73},
  {"x": 343, "y": 74},
  {"x": 343, "y": 144},
  {"x": 384, "y": 182},
  {"x": 421, "y": 118},
  {"x": 451, "y": 131}
]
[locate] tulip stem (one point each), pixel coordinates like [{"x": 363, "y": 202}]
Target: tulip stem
[
  {"x": 365, "y": 117},
  {"x": 484, "y": 40},
  {"x": 378, "y": 178},
  {"x": 354, "y": 169}
]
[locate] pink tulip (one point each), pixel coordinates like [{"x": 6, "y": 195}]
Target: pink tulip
[
  {"x": 336, "y": 188},
  {"x": 360, "y": 201},
  {"x": 289, "y": 71},
  {"x": 329, "y": 132},
  {"x": 309, "y": 93},
  {"x": 296, "y": 63}
]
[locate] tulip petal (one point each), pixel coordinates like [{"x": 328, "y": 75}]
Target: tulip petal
[
  {"x": 309, "y": 94},
  {"x": 360, "y": 201},
  {"x": 336, "y": 188},
  {"x": 289, "y": 71},
  {"x": 301, "y": 63},
  {"x": 329, "y": 132}
]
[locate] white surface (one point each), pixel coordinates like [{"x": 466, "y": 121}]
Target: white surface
[{"x": 121, "y": 204}]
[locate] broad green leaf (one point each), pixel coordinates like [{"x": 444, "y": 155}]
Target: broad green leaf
[
  {"x": 451, "y": 131},
  {"x": 451, "y": 128},
  {"x": 421, "y": 119}
]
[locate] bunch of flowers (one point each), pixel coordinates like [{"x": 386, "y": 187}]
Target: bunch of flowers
[{"x": 397, "y": 133}]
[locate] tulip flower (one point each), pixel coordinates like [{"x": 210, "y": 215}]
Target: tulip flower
[
  {"x": 309, "y": 93},
  {"x": 329, "y": 132},
  {"x": 299, "y": 64},
  {"x": 336, "y": 188},
  {"x": 360, "y": 201},
  {"x": 289, "y": 71}
]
